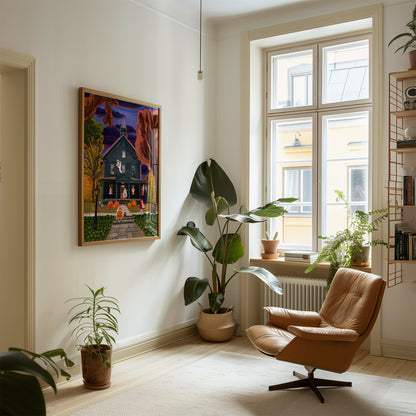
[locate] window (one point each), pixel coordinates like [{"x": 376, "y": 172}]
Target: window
[{"x": 318, "y": 135}]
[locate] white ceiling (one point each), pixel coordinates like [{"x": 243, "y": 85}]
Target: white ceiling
[{"x": 187, "y": 11}]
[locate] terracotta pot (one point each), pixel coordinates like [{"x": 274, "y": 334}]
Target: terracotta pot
[
  {"x": 412, "y": 59},
  {"x": 362, "y": 257},
  {"x": 216, "y": 327},
  {"x": 96, "y": 375},
  {"x": 270, "y": 249}
]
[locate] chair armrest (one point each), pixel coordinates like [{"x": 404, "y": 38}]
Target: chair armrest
[
  {"x": 323, "y": 333},
  {"x": 282, "y": 317}
]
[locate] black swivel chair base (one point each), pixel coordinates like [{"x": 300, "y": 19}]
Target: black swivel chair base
[{"x": 311, "y": 382}]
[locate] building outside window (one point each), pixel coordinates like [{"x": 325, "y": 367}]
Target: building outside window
[{"x": 318, "y": 135}]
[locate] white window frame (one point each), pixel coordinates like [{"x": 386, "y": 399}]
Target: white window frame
[{"x": 317, "y": 110}]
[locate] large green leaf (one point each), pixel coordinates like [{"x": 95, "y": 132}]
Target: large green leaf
[
  {"x": 218, "y": 205},
  {"x": 198, "y": 239},
  {"x": 21, "y": 394},
  {"x": 242, "y": 218},
  {"x": 272, "y": 209},
  {"x": 193, "y": 289},
  {"x": 216, "y": 299},
  {"x": 17, "y": 361},
  {"x": 234, "y": 248},
  {"x": 210, "y": 177},
  {"x": 268, "y": 278}
]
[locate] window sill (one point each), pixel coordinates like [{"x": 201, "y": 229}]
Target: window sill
[{"x": 281, "y": 267}]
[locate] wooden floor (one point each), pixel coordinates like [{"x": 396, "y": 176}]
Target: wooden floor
[{"x": 148, "y": 366}]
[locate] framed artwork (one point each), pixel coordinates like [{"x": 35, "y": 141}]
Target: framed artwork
[{"x": 119, "y": 188}]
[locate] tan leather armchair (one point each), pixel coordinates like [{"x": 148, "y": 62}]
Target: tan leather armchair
[{"x": 327, "y": 340}]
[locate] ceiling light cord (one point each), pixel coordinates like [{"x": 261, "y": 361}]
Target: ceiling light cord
[{"x": 200, "y": 73}]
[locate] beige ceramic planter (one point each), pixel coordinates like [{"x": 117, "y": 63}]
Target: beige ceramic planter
[
  {"x": 270, "y": 249},
  {"x": 412, "y": 59},
  {"x": 362, "y": 258},
  {"x": 216, "y": 327}
]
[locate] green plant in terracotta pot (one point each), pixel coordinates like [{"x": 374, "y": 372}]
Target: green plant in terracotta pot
[
  {"x": 95, "y": 324},
  {"x": 212, "y": 187},
  {"x": 410, "y": 40},
  {"x": 351, "y": 246},
  {"x": 270, "y": 246}
]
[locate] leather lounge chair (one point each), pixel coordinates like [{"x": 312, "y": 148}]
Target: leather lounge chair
[{"x": 326, "y": 340}]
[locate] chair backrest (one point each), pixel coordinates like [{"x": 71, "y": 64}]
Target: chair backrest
[{"x": 353, "y": 300}]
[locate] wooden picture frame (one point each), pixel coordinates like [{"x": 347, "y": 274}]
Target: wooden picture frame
[{"x": 119, "y": 171}]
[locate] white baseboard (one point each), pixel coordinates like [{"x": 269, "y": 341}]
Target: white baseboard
[
  {"x": 405, "y": 350},
  {"x": 138, "y": 345},
  {"x": 150, "y": 341}
]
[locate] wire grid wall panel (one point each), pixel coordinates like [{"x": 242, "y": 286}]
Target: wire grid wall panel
[{"x": 397, "y": 113}]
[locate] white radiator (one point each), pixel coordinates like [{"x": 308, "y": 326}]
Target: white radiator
[{"x": 303, "y": 294}]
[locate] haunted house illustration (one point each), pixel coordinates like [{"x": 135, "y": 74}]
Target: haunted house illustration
[{"x": 122, "y": 172}]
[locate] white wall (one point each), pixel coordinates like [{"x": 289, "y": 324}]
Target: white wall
[
  {"x": 399, "y": 302},
  {"x": 122, "y": 48}
]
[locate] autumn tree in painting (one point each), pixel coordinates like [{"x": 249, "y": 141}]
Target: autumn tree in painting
[
  {"x": 147, "y": 144},
  {"x": 92, "y": 102},
  {"x": 93, "y": 151}
]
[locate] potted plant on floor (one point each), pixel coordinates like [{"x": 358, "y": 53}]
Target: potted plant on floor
[
  {"x": 212, "y": 187},
  {"x": 410, "y": 40},
  {"x": 95, "y": 323},
  {"x": 351, "y": 246},
  {"x": 20, "y": 390},
  {"x": 270, "y": 246}
]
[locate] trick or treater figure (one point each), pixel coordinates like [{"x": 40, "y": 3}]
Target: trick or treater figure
[{"x": 119, "y": 214}]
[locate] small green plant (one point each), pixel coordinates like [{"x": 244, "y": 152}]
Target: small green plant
[
  {"x": 21, "y": 392},
  {"x": 268, "y": 235},
  {"x": 347, "y": 246},
  {"x": 95, "y": 321},
  {"x": 411, "y": 37}
]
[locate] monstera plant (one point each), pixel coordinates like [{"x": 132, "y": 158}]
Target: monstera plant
[{"x": 212, "y": 187}]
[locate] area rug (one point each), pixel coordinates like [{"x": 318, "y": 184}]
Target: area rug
[{"x": 228, "y": 384}]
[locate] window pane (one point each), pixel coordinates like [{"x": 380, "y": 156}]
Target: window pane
[
  {"x": 307, "y": 190},
  {"x": 291, "y": 187},
  {"x": 291, "y": 176},
  {"x": 291, "y": 79},
  {"x": 344, "y": 167},
  {"x": 345, "y": 72}
]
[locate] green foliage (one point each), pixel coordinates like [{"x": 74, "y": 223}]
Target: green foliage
[
  {"x": 148, "y": 223},
  {"x": 268, "y": 236},
  {"x": 341, "y": 249},
  {"x": 93, "y": 131},
  {"x": 411, "y": 37},
  {"x": 104, "y": 223},
  {"x": 212, "y": 187},
  {"x": 94, "y": 320},
  {"x": 21, "y": 393}
]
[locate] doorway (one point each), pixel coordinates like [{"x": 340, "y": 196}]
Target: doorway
[{"x": 17, "y": 217}]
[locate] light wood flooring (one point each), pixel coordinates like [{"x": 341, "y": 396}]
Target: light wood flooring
[{"x": 150, "y": 365}]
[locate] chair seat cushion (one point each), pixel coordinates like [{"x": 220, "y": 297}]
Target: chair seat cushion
[
  {"x": 269, "y": 339},
  {"x": 327, "y": 333}
]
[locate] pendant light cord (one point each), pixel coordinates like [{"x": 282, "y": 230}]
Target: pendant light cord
[{"x": 200, "y": 35}]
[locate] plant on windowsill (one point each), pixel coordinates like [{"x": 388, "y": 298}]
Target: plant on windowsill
[
  {"x": 411, "y": 40},
  {"x": 212, "y": 187},
  {"x": 350, "y": 247},
  {"x": 270, "y": 246},
  {"x": 21, "y": 392},
  {"x": 95, "y": 323}
]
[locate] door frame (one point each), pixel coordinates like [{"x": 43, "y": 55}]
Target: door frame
[{"x": 9, "y": 61}]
